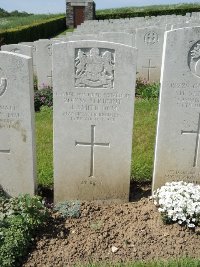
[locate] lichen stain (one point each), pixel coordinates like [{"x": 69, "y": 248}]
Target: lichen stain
[{"x": 14, "y": 125}]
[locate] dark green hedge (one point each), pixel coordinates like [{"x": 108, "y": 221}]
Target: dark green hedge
[
  {"x": 128, "y": 13},
  {"x": 33, "y": 32}
]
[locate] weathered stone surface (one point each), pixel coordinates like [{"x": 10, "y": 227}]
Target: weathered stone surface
[
  {"x": 17, "y": 145},
  {"x": 34, "y": 54},
  {"x": 177, "y": 144},
  {"x": 149, "y": 42},
  {"x": 118, "y": 37},
  {"x": 44, "y": 63},
  {"x": 93, "y": 118},
  {"x": 18, "y": 49}
]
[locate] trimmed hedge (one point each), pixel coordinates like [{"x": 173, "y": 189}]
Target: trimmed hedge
[
  {"x": 34, "y": 32},
  {"x": 148, "y": 11}
]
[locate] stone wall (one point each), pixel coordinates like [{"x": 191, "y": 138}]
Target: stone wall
[
  {"x": 90, "y": 8},
  {"x": 69, "y": 15}
]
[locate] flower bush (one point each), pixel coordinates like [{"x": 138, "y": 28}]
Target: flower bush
[
  {"x": 145, "y": 89},
  {"x": 179, "y": 202},
  {"x": 43, "y": 97},
  {"x": 20, "y": 219}
]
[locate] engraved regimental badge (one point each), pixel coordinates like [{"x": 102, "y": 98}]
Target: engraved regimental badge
[
  {"x": 151, "y": 38},
  {"x": 194, "y": 59},
  {"x": 94, "y": 68},
  {"x": 3, "y": 82}
]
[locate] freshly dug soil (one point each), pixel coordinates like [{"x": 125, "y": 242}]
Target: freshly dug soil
[{"x": 112, "y": 233}]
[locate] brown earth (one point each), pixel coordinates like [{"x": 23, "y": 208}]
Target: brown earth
[{"x": 113, "y": 233}]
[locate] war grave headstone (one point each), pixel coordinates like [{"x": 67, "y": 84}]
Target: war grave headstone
[
  {"x": 18, "y": 49},
  {"x": 82, "y": 37},
  {"x": 34, "y": 54},
  {"x": 118, "y": 37},
  {"x": 178, "y": 132},
  {"x": 17, "y": 146},
  {"x": 44, "y": 63},
  {"x": 94, "y": 85},
  {"x": 149, "y": 42}
]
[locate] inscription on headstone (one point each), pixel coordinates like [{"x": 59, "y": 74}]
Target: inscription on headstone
[
  {"x": 177, "y": 143},
  {"x": 149, "y": 42},
  {"x": 17, "y": 147},
  {"x": 93, "y": 117}
]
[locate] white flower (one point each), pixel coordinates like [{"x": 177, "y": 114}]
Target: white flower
[{"x": 180, "y": 201}]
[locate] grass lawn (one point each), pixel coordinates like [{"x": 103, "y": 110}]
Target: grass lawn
[
  {"x": 14, "y": 22},
  {"x": 171, "y": 263},
  {"x": 143, "y": 142}
]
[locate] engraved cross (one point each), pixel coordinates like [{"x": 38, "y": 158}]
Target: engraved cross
[
  {"x": 92, "y": 144},
  {"x": 149, "y": 67},
  {"x": 197, "y": 133}
]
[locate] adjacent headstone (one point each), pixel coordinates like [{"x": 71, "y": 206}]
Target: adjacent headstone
[
  {"x": 93, "y": 118},
  {"x": 118, "y": 37},
  {"x": 18, "y": 49},
  {"x": 78, "y": 37},
  {"x": 149, "y": 42},
  {"x": 34, "y": 54},
  {"x": 17, "y": 145},
  {"x": 44, "y": 63},
  {"x": 177, "y": 155}
]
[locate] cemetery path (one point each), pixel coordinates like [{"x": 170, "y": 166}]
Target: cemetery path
[{"x": 114, "y": 233}]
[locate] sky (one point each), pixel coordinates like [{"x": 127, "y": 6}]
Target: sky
[{"x": 58, "y": 6}]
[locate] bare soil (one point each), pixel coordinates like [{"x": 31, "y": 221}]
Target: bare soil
[{"x": 112, "y": 233}]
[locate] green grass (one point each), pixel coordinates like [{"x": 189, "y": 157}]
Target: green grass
[
  {"x": 170, "y": 263},
  {"x": 147, "y": 8},
  {"x": 44, "y": 146},
  {"x": 15, "y": 22},
  {"x": 144, "y": 133},
  {"x": 143, "y": 142},
  {"x": 65, "y": 32}
]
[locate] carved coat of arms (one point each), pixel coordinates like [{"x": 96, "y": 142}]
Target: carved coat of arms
[{"x": 94, "y": 68}]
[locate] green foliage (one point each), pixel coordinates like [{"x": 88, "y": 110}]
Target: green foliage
[
  {"x": 68, "y": 209},
  {"x": 144, "y": 132},
  {"x": 96, "y": 226},
  {"x": 35, "y": 31},
  {"x": 16, "y": 13},
  {"x": 43, "y": 97},
  {"x": 154, "y": 10},
  {"x": 144, "y": 89},
  {"x": 19, "y": 219},
  {"x": 11, "y": 22},
  {"x": 44, "y": 144},
  {"x": 3, "y": 13}
]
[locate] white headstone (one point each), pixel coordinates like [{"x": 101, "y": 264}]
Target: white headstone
[
  {"x": 34, "y": 54},
  {"x": 17, "y": 145},
  {"x": 18, "y": 49},
  {"x": 118, "y": 37},
  {"x": 149, "y": 42},
  {"x": 93, "y": 118},
  {"x": 78, "y": 37},
  {"x": 177, "y": 155},
  {"x": 44, "y": 63}
]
